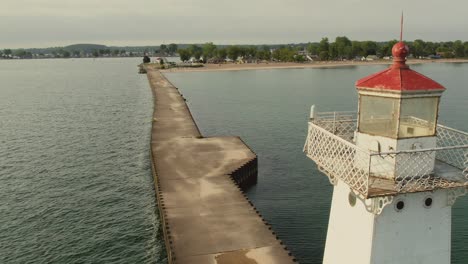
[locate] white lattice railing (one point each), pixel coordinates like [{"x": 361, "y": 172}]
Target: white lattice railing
[
  {"x": 342, "y": 124},
  {"x": 329, "y": 144},
  {"x": 449, "y": 137},
  {"x": 418, "y": 170}
]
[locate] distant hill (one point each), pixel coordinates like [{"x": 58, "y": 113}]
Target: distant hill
[{"x": 85, "y": 47}]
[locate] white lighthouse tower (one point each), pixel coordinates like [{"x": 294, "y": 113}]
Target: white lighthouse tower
[{"x": 396, "y": 172}]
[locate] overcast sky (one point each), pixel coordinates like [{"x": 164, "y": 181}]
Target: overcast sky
[{"x": 45, "y": 23}]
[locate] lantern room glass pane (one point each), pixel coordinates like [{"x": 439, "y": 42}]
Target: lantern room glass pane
[
  {"x": 418, "y": 117},
  {"x": 378, "y": 115}
]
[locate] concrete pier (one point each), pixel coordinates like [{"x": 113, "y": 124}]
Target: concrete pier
[{"x": 206, "y": 217}]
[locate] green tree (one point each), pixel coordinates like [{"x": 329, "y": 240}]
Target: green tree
[
  {"x": 195, "y": 51},
  {"x": 444, "y": 51},
  {"x": 356, "y": 49},
  {"x": 343, "y": 47},
  {"x": 276, "y": 55},
  {"x": 369, "y": 48},
  {"x": 441, "y": 48},
  {"x": 465, "y": 45},
  {"x": 263, "y": 53},
  {"x": 172, "y": 48},
  {"x": 243, "y": 51},
  {"x": 385, "y": 49},
  {"x": 163, "y": 48},
  {"x": 288, "y": 54},
  {"x": 19, "y": 53},
  {"x": 418, "y": 48},
  {"x": 430, "y": 48},
  {"x": 7, "y": 51},
  {"x": 221, "y": 53},
  {"x": 323, "y": 55},
  {"x": 284, "y": 54},
  {"x": 266, "y": 48},
  {"x": 333, "y": 51},
  {"x": 458, "y": 49},
  {"x": 233, "y": 52},
  {"x": 66, "y": 54},
  {"x": 60, "y": 52},
  {"x": 251, "y": 52},
  {"x": 299, "y": 58},
  {"x": 184, "y": 54},
  {"x": 209, "y": 50},
  {"x": 313, "y": 48},
  {"x": 324, "y": 45}
]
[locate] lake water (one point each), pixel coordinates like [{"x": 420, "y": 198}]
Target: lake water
[
  {"x": 75, "y": 177},
  {"x": 269, "y": 109}
]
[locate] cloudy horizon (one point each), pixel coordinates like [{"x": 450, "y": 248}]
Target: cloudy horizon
[{"x": 49, "y": 23}]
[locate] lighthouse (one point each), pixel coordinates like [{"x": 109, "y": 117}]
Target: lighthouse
[{"x": 395, "y": 171}]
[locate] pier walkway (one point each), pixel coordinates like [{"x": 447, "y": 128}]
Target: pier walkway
[{"x": 206, "y": 217}]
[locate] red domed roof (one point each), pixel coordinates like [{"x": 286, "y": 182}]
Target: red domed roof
[{"x": 399, "y": 77}]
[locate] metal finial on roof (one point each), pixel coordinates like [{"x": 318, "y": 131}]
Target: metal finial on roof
[{"x": 401, "y": 27}]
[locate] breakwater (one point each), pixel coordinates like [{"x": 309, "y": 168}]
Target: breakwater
[{"x": 206, "y": 217}]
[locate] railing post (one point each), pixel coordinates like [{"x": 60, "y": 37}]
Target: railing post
[
  {"x": 465, "y": 171},
  {"x": 334, "y": 123},
  {"x": 313, "y": 113},
  {"x": 368, "y": 174}
]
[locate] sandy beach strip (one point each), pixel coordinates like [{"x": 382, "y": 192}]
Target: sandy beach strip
[{"x": 293, "y": 65}]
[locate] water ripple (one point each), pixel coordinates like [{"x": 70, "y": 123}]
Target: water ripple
[{"x": 74, "y": 164}]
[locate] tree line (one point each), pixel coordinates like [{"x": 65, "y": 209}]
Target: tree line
[
  {"x": 212, "y": 53},
  {"x": 90, "y": 50},
  {"x": 60, "y": 53},
  {"x": 341, "y": 49}
]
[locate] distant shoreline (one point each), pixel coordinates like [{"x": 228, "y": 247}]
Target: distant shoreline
[{"x": 293, "y": 65}]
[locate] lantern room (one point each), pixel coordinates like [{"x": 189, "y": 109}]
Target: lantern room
[
  {"x": 398, "y": 102},
  {"x": 394, "y": 143}
]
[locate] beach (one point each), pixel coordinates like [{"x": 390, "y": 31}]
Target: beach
[{"x": 294, "y": 65}]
